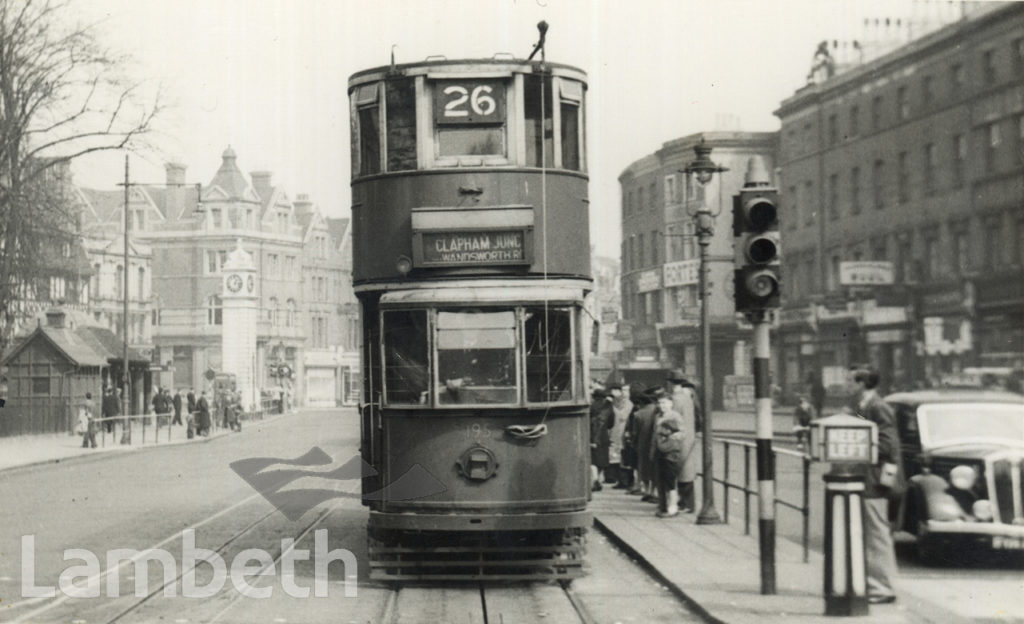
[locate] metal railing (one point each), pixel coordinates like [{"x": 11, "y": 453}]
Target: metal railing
[{"x": 749, "y": 484}]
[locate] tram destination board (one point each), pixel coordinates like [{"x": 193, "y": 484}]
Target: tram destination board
[{"x": 482, "y": 247}]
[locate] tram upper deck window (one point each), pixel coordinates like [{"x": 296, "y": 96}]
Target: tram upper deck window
[
  {"x": 570, "y": 109},
  {"x": 549, "y": 358},
  {"x": 469, "y": 120},
  {"x": 401, "y": 123},
  {"x": 405, "y": 357},
  {"x": 368, "y": 115},
  {"x": 476, "y": 358},
  {"x": 540, "y": 138}
]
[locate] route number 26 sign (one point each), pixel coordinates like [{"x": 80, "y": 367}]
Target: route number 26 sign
[{"x": 469, "y": 101}]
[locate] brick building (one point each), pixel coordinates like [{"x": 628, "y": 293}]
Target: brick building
[{"x": 903, "y": 209}]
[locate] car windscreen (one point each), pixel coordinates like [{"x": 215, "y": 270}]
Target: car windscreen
[{"x": 952, "y": 423}]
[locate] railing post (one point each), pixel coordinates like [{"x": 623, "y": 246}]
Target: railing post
[
  {"x": 746, "y": 490},
  {"x": 725, "y": 483},
  {"x": 806, "y": 507}
]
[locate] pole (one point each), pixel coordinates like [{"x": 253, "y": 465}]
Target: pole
[
  {"x": 765, "y": 458},
  {"x": 126, "y": 435},
  {"x": 708, "y": 514}
]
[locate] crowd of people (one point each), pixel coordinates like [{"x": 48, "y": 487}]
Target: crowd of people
[{"x": 644, "y": 441}]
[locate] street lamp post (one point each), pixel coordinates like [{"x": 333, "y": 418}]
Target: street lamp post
[{"x": 703, "y": 169}]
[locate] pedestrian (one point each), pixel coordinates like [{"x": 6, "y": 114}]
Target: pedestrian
[
  {"x": 599, "y": 413},
  {"x": 669, "y": 441},
  {"x": 191, "y": 397},
  {"x": 816, "y": 391},
  {"x": 684, "y": 403},
  {"x": 629, "y": 454},
  {"x": 645, "y": 419},
  {"x": 176, "y": 402},
  {"x": 158, "y": 401},
  {"x": 802, "y": 417},
  {"x": 110, "y": 408},
  {"x": 621, "y": 408},
  {"x": 203, "y": 407},
  {"x": 86, "y": 424},
  {"x": 882, "y": 481}
]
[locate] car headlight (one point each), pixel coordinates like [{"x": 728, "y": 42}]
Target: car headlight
[
  {"x": 963, "y": 477},
  {"x": 982, "y": 510}
]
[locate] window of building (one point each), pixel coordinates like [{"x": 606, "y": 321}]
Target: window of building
[
  {"x": 290, "y": 313},
  {"x": 902, "y": 104},
  {"x": 927, "y": 91},
  {"x": 94, "y": 282},
  {"x": 640, "y": 201},
  {"x": 141, "y": 290},
  {"x": 959, "y": 159},
  {"x": 689, "y": 240},
  {"x": 119, "y": 282},
  {"x": 368, "y": 136},
  {"x": 876, "y": 113},
  {"x": 929, "y": 169},
  {"x": 652, "y": 195},
  {"x": 400, "y": 95},
  {"x": 273, "y": 268},
  {"x": 833, "y": 271},
  {"x": 993, "y": 242},
  {"x": 988, "y": 66},
  {"x": 992, "y": 145},
  {"x": 956, "y": 79},
  {"x": 272, "y": 310},
  {"x": 641, "y": 250},
  {"x": 41, "y": 386},
  {"x": 833, "y": 129},
  {"x": 57, "y": 288},
  {"x": 214, "y": 310},
  {"x": 903, "y": 182},
  {"x": 878, "y": 186},
  {"x": 654, "y": 247},
  {"x": 855, "y": 190},
  {"x": 1019, "y": 242},
  {"x": 930, "y": 256},
  {"x": 904, "y": 259},
  {"x": 810, "y": 212},
  {"x": 833, "y": 196},
  {"x": 854, "y": 120},
  {"x": 671, "y": 190},
  {"x": 794, "y": 198},
  {"x": 540, "y": 138},
  {"x": 879, "y": 249},
  {"x": 961, "y": 249}
]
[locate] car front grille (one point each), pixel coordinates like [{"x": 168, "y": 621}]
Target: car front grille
[{"x": 1006, "y": 485}]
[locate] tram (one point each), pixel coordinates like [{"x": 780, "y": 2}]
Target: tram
[{"x": 471, "y": 260}]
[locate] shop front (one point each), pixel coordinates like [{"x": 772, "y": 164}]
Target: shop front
[
  {"x": 947, "y": 330},
  {"x": 1000, "y": 323}
]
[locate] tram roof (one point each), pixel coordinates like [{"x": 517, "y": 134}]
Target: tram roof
[{"x": 465, "y": 67}]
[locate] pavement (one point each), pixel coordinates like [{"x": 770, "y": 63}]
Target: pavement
[{"x": 32, "y": 450}]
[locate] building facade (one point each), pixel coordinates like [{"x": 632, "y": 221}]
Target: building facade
[
  {"x": 660, "y": 326},
  {"x": 903, "y": 209}
]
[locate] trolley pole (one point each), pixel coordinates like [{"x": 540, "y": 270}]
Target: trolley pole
[{"x": 765, "y": 458}]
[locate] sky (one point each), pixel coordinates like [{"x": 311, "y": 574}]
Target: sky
[{"x": 269, "y": 77}]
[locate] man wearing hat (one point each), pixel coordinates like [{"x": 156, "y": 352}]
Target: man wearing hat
[
  {"x": 621, "y": 407},
  {"x": 600, "y": 409},
  {"x": 646, "y": 451},
  {"x": 684, "y": 403}
]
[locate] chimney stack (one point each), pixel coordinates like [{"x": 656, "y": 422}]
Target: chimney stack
[
  {"x": 55, "y": 318},
  {"x": 175, "y": 173},
  {"x": 302, "y": 204},
  {"x": 261, "y": 182}
]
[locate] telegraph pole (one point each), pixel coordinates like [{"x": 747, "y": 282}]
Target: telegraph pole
[{"x": 126, "y": 435}]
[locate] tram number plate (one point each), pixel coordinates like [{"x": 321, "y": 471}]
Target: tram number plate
[
  {"x": 476, "y": 431},
  {"x": 1003, "y": 542}
]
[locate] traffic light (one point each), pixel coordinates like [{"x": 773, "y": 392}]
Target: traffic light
[{"x": 755, "y": 227}]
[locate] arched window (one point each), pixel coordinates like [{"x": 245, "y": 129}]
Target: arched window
[
  {"x": 290, "y": 319},
  {"x": 119, "y": 282},
  {"x": 156, "y": 310},
  {"x": 214, "y": 312},
  {"x": 272, "y": 311}
]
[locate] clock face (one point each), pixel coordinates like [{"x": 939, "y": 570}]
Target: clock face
[
  {"x": 234, "y": 282},
  {"x": 250, "y": 284}
]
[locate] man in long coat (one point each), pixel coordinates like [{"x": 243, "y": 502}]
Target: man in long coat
[
  {"x": 684, "y": 403},
  {"x": 643, "y": 432},
  {"x": 203, "y": 406},
  {"x": 176, "y": 401},
  {"x": 598, "y": 437}
]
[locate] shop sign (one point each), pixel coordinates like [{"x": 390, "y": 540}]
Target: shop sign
[
  {"x": 473, "y": 248},
  {"x": 859, "y": 273},
  {"x": 682, "y": 273},
  {"x": 648, "y": 281},
  {"x": 738, "y": 392},
  {"x": 943, "y": 301},
  {"x": 645, "y": 334},
  {"x": 678, "y": 334}
]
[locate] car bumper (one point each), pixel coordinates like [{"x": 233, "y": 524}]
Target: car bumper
[{"x": 1000, "y": 536}]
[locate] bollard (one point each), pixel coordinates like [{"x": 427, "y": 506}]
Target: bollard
[{"x": 845, "y": 563}]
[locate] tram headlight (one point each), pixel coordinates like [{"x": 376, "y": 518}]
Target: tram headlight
[{"x": 404, "y": 265}]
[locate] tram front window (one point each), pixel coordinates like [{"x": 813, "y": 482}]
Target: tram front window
[
  {"x": 476, "y": 357},
  {"x": 548, "y": 341},
  {"x": 405, "y": 357}
]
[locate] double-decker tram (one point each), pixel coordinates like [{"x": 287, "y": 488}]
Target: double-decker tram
[{"x": 471, "y": 262}]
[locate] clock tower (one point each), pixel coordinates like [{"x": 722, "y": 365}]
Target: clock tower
[{"x": 240, "y": 313}]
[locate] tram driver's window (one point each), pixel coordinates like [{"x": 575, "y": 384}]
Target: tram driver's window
[
  {"x": 548, "y": 339},
  {"x": 476, "y": 357},
  {"x": 469, "y": 117},
  {"x": 405, "y": 357}
]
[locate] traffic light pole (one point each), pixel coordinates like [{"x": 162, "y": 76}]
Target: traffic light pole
[{"x": 765, "y": 459}]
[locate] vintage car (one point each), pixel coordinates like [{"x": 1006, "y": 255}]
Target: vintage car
[{"x": 963, "y": 456}]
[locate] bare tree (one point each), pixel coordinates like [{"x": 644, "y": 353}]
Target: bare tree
[{"x": 62, "y": 95}]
